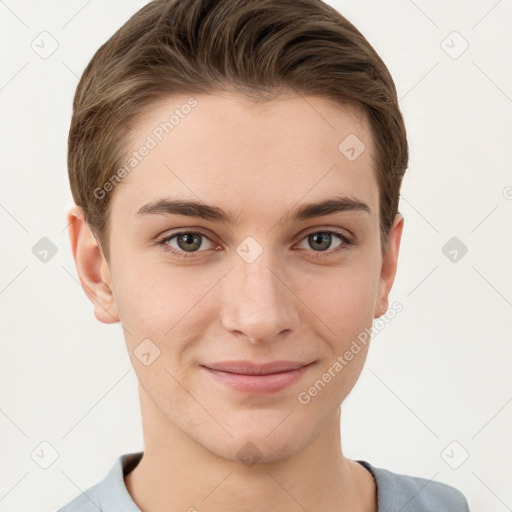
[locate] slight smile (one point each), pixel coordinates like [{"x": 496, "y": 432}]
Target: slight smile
[{"x": 248, "y": 377}]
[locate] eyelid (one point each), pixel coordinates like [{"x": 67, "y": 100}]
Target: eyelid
[
  {"x": 347, "y": 240},
  {"x": 346, "y": 243},
  {"x": 344, "y": 233},
  {"x": 305, "y": 232},
  {"x": 197, "y": 231}
]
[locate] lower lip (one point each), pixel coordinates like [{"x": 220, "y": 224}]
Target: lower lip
[{"x": 259, "y": 384}]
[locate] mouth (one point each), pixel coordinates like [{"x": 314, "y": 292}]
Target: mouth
[{"x": 247, "y": 377}]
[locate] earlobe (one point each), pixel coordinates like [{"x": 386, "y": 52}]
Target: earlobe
[
  {"x": 93, "y": 270},
  {"x": 389, "y": 265}
]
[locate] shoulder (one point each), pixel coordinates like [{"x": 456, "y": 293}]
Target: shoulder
[
  {"x": 87, "y": 501},
  {"x": 414, "y": 494}
]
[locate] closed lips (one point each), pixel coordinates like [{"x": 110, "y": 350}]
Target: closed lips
[{"x": 248, "y": 368}]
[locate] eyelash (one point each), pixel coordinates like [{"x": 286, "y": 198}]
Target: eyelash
[{"x": 346, "y": 243}]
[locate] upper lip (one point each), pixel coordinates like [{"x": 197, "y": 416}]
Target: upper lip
[{"x": 249, "y": 368}]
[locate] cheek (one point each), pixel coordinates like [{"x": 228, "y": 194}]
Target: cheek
[
  {"x": 155, "y": 298},
  {"x": 342, "y": 299},
  {"x": 170, "y": 307}
]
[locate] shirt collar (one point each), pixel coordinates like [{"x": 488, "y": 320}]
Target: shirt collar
[{"x": 114, "y": 496}]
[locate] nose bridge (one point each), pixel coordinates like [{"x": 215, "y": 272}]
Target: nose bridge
[{"x": 257, "y": 303}]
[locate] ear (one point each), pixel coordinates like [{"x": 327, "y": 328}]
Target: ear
[
  {"x": 389, "y": 265},
  {"x": 92, "y": 268}
]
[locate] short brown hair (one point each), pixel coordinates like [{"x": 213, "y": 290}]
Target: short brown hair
[{"x": 255, "y": 47}]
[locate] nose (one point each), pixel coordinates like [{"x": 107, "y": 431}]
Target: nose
[{"x": 257, "y": 302}]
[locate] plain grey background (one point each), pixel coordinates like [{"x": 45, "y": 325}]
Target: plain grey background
[{"x": 434, "y": 399}]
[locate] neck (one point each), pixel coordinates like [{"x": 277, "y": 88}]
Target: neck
[{"x": 178, "y": 474}]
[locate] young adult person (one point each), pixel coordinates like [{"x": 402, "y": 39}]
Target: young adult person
[{"x": 236, "y": 167}]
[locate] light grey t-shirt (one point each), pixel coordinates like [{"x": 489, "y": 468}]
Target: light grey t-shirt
[{"x": 395, "y": 492}]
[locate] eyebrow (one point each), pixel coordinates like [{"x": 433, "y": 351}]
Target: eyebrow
[{"x": 208, "y": 212}]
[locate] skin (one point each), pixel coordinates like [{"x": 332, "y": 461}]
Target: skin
[{"x": 294, "y": 302}]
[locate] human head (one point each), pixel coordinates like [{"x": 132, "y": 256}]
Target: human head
[
  {"x": 259, "y": 48},
  {"x": 257, "y": 136}
]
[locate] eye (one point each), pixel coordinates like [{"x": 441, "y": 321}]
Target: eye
[
  {"x": 186, "y": 242},
  {"x": 321, "y": 241}
]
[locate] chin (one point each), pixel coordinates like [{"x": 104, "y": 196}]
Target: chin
[{"x": 258, "y": 447}]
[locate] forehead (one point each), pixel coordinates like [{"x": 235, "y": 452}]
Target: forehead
[{"x": 221, "y": 148}]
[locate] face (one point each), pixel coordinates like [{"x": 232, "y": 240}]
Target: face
[{"x": 249, "y": 275}]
